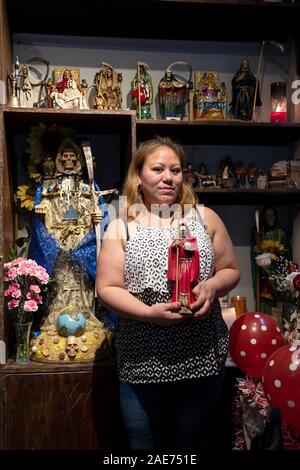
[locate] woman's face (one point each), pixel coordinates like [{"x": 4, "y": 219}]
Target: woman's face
[{"x": 161, "y": 177}]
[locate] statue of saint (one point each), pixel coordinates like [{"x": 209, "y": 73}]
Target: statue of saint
[
  {"x": 173, "y": 95},
  {"x": 63, "y": 240},
  {"x": 141, "y": 91},
  {"x": 244, "y": 90},
  {"x": 210, "y": 99},
  {"x": 66, "y": 94},
  {"x": 183, "y": 269},
  {"x": 108, "y": 84}
]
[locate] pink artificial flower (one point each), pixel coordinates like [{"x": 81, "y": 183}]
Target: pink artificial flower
[
  {"x": 32, "y": 296},
  {"x": 30, "y": 306},
  {"x": 11, "y": 274},
  {"x": 16, "y": 293},
  {"x": 34, "y": 288},
  {"x": 13, "y": 304}
]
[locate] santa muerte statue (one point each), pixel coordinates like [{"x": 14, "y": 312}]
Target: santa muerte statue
[{"x": 183, "y": 268}]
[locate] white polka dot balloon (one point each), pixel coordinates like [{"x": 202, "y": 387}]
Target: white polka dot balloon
[
  {"x": 253, "y": 337},
  {"x": 281, "y": 380}
]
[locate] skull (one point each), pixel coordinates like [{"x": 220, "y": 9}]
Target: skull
[
  {"x": 68, "y": 160},
  {"x": 72, "y": 346}
]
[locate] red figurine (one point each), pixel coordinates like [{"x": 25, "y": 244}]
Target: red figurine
[{"x": 183, "y": 269}]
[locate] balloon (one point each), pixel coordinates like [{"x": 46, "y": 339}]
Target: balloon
[
  {"x": 281, "y": 380},
  {"x": 253, "y": 337}
]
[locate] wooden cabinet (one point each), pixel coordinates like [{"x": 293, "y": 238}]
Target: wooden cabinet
[
  {"x": 61, "y": 407},
  {"x": 76, "y": 407}
]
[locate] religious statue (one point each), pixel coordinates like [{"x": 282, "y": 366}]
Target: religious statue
[
  {"x": 108, "y": 84},
  {"x": 28, "y": 89},
  {"x": 65, "y": 237},
  {"x": 141, "y": 92},
  {"x": 245, "y": 89},
  {"x": 173, "y": 94},
  {"x": 66, "y": 94},
  {"x": 210, "y": 98},
  {"x": 183, "y": 269}
]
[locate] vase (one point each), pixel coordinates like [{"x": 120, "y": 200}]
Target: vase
[{"x": 22, "y": 342}]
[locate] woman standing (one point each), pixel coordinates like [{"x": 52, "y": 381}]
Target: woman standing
[{"x": 170, "y": 363}]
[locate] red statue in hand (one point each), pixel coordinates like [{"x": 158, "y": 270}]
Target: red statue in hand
[{"x": 183, "y": 269}]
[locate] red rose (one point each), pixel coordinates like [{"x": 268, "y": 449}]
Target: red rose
[{"x": 296, "y": 282}]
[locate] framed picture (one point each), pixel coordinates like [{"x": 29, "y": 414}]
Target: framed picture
[{"x": 58, "y": 73}]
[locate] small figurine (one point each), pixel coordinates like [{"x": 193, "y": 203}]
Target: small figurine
[
  {"x": 210, "y": 99},
  {"x": 108, "y": 84},
  {"x": 183, "y": 269},
  {"x": 65, "y": 93},
  {"x": 240, "y": 173},
  {"x": 243, "y": 91},
  {"x": 189, "y": 174},
  {"x": 142, "y": 92},
  {"x": 251, "y": 174},
  {"x": 14, "y": 100},
  {"x": 202, "y": 175},
  {"x": 173, "y": 94}
]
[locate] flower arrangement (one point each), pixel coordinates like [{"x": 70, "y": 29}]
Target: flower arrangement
[
  {"x": 284, "y": 276},
  {"x": 26, "y": 283}
]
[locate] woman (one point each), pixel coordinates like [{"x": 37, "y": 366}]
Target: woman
[{"x": 170, "y": 362}]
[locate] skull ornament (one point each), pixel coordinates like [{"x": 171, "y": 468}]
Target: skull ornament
[
  {"x": 68, "y": 160},
  {"x": 72, "y": 346}
]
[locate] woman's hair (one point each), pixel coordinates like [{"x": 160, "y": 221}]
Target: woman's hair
[{"x": 131, "y": 190}]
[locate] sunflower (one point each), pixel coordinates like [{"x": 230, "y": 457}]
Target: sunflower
[
  {"x": 273, "y": 247},
  {"x": 27, "y": 199}
]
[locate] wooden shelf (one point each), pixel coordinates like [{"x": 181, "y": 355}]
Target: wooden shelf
[
  {"x": 243, "y": 196},
  {"x": 232, "y": 132},
  {"x": 85, "y": 120},
  {"x": 11, "y": 367}
]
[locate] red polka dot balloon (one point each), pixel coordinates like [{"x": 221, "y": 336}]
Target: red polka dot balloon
[
  {"x": 281, "y": 379},
  {"x": 253, "y": 337}
]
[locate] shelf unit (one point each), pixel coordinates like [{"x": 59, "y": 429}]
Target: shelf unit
[{"x": 94, "y": 385}]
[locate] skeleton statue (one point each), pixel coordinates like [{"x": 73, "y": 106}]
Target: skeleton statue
[{"x": 65, "y": 237}]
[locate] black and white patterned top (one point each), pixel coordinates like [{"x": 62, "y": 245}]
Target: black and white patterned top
[{"x": 191, "y": 348}]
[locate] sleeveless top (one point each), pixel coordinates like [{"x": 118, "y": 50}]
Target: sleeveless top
[{"x": 192, "y": 348}]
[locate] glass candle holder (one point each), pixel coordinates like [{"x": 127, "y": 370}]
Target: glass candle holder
[
  {"x": 240, "y": 305},
  {"x": 278, "y": 102}
]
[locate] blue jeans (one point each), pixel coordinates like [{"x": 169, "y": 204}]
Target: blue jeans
[{"x": 172, "y": 415}]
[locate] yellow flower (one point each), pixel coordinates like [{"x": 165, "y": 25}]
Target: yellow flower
[
  {"x": 273, "y": 247},
  {"x": 35, "y": 176},
  {"x": 27, "y": 200}
]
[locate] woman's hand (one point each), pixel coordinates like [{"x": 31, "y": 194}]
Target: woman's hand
[
  {"x": 205, "y": 294},
  {"x": 164, "y": 314}
]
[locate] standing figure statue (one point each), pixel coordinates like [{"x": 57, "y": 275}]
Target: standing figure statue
[
  {"x": 244, "y": 85},
  {"x": 64, "y": 240},
  {"x": 142, "y": 92},
  {"x": 108, "y": 84},
  {"x": 173, "y": 94},
  {"x": 66, "y": 94},
  {"x": 183, "y": 269},
  {"x": 210, "y": 99}
]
